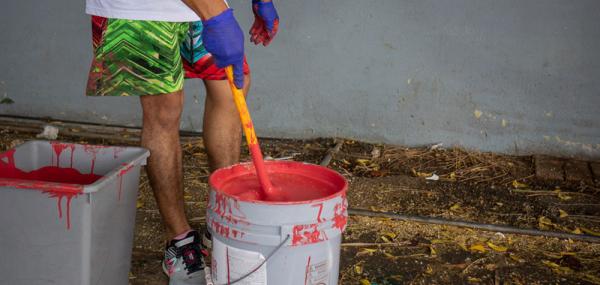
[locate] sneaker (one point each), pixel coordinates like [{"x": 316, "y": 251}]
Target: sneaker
[{"x": 184, "y": 260}]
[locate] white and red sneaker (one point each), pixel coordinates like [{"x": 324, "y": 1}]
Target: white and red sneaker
[{"x": 184, "y": 260}]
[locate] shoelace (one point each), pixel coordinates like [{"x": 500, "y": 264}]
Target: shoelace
[{"x": 192, "y": 257}]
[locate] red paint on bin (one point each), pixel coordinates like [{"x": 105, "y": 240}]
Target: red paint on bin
[
  {"x": 54, "y": 181},
  {"x": 126, "y": 168},
  {"x": 58, "y": 148}
]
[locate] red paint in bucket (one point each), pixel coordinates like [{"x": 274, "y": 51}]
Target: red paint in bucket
[{"x": 295, "y": 182}]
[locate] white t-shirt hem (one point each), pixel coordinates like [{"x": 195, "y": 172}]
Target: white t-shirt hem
[{"x": 142, "y": 15}]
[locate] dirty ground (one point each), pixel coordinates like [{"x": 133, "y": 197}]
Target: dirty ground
[{"x": 470, "y": 186}]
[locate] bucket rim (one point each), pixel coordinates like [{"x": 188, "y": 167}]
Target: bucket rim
[{"x": 248, "y": 166}]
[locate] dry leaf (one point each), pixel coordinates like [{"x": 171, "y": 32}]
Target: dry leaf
[
  {"x": 562, "y": 195},
  {"x": 429, "y": 269},
  {"x": 516, "y": 258},
  {"x": 358, "y": 269},
  {"x": 577, "y": 231},
  {"x": 365, "y": 282},
  {"x": 544, "y": 223},
  {"x": 519, "y": 185},
  {"x": 590, "y": 232},
  {"x": 139, "y": 204},
  {"x": 557, "y": 268},
  {"x": 473, "y": 279},
  {"x": 478, "y": 248},
  {"x": 497, "y": 248},
  {"x": 455, "y": 207},
  {"x": 563, "y": 214},
  {"x": 366, "y": 251},
  {"x": 390, "y": 235},
  {"x": 432, "y": 250},
  {"x": 421, "y": 174},
  {"x": 386, "y": 239}
]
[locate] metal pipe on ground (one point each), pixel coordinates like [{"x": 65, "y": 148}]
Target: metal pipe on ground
[{"x": 472, "y": 225}]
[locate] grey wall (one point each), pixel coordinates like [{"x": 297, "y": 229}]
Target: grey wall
[{"x": 515, "y": 76}]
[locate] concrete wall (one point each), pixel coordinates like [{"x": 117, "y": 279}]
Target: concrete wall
[{"x": 515, "y": 76}]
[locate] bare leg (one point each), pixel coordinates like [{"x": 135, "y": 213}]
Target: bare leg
[
  {"x": 160, "y": 134},
  {"x": 222, "y": 127}
]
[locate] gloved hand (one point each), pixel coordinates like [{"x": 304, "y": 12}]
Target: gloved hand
[
  {"x": 224, "y": 39},
  {"x": 266, "y": 22}
]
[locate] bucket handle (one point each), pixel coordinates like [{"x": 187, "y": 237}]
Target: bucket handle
[{"x": 273, "y": 252}]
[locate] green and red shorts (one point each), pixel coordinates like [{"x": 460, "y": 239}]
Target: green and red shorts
[{"x": 134, "y": 57}]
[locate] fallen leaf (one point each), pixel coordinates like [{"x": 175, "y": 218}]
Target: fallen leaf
[
  {"x": 366, "y": 251},
  {"x": 362, "y": 162},
  {"x": 519, "y": 185},
  {"x": 139, "y": 204},
  {"x": 557, "y": 268},
  {"x": 577, "y": 231},
  {"x": 439, "y": 241},
  {"x": 432, "y": 251},
  {"x": 365, "y": 282},
  {"x": 590, "y": 232},
  {"x": 386, "y": 239},
  {"x": 453, "y": 176},
  {"x": 478, "y": 248},
  {"x": 429, "y": 269},
  {"x": 562, "y": 195},
  {"x": 390, "y": 235},
  {"x": 516, "y": 258},
  {"x": 358, "y": 269},
  {"x": 497, "y": 248},
  {"x": 544, "y": 223},
  {"x": 563, "y": 214},
  {"x": 473, "y": 279},
  {"x": 421, "y": 174},
  {"x": 455, "y": 207}
]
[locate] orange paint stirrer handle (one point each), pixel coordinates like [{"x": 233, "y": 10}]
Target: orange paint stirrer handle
[{"x": 251, "y": 139}]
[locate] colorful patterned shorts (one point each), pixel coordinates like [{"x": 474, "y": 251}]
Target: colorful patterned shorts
[{"x": 134, "y": 58}]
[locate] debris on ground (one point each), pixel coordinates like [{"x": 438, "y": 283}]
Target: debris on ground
[{"x": 471, "y": 186}]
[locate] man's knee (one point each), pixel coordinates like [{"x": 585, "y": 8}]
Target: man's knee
[{"x": 163, "y": 110}]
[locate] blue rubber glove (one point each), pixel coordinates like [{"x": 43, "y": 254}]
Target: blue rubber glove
[
  {"x": 266, "y": 22},
  {"x": 224, "y": 39}
]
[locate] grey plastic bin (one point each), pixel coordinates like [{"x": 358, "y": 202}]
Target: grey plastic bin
[{"x": 68, "y": 234}]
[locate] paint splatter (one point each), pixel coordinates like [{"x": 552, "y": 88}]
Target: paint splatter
[
  {"x": 340, "y": 218},
  {"x": 307, "y": 234}
]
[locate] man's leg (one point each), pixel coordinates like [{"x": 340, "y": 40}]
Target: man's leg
[
  {"x": 222, "y": 127},
  {"x": 160, "y": 134}
]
